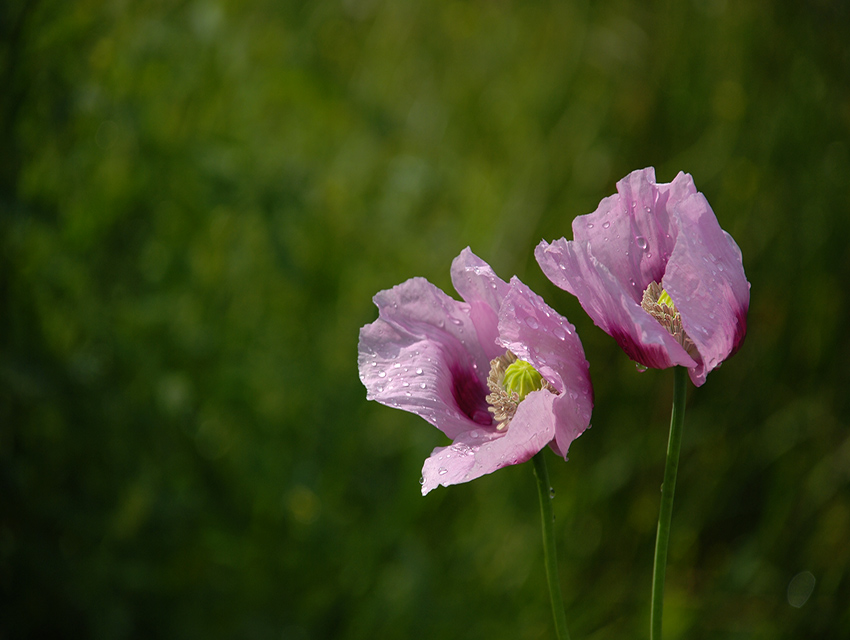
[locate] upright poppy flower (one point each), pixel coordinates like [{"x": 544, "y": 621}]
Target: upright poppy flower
[
  {"x": 501, "y": 373},
  {"x": 653, "y": 269}
]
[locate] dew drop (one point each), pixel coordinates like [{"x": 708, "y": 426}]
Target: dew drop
[
  {"x": 551, "y": 492},
  {"x": 422, "y": 385},
  {"x": 419, "y": 371},
  {"x": 422, "y": 480},
  {"x": 374, "y": 364},
  {"x": 531, "y": 321},
  {"x": 606, "y": 225},
  {"x": 559, "y": 333},
  {"x": 640, "y": 368},
  {"x": 397, "y": 366},
  {"x": 382, "y": 374},
  {"x": 641, "y": 243},
  {"x": 590, "y": 225},
  {"x": 457, "y": 320},
  {"x": 443, "y": 471}
]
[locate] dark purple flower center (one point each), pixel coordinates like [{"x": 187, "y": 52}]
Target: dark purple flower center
[{"x": 470, "y": 395}]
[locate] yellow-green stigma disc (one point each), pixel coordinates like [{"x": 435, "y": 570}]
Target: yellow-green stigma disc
[
  {"x": 665, "y": 298},
  {"x": 522, "y": 378}
]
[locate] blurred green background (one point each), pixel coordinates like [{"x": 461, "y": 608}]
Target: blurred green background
[{"x": 197, "y": 202}]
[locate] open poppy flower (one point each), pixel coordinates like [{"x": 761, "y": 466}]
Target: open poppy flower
[
  {"x": 654, "y": 270},
  {"x": 501, "y": 373}
]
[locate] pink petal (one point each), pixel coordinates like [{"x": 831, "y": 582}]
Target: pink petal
[
  {"x": 477, "y": 453},
  {"x": 705, "y": 278},
  {"x": 479, "y": 285},
  {"x": 631, "y": 232},
  {"x": 476, "y": 281},
  {"x": 422, "y": 355},
  {"x": 538, "y": 334},
  {"x": 611, "y": 304}
]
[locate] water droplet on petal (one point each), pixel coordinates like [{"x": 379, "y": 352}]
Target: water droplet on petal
[
  {"x": 640, "y": 368},
  {"x": 531, "y": 321},
  {"x": 590, "y": 225},
  {"x": 559, "y": 333},
  {"x": 606, "y": 225},
  {"x": 457, "y": 320},
  {"x": 397, "y": 366},
  {"x": 641, "y": 243},
  {"x": 422, "y": 480},
  {"x": 422, "y": 385},
  {"x": 374, "y": 364},
  {"x": 443, "y": 471},
  {"x": 419, "y": 371}
]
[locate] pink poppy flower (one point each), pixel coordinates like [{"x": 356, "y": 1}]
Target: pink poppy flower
[
  {"x": 654, "y": 270},
  {"x": 501, "y": 374}
]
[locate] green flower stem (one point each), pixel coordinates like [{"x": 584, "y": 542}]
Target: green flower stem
[
  {"x": 659, "y": 566},
  {"x": 550, "y": 555}
]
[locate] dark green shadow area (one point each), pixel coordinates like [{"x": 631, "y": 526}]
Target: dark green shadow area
[{"x": 198, "y": 201}]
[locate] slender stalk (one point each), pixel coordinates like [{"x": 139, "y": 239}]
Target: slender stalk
[
  {"x": 550, "y": 555},
  {"x": 659, "y": 566}
]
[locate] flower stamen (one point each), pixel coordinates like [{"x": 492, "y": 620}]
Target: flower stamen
[
  {"x": 510, "y": 381},
  {"x": 658, "y": 303}
]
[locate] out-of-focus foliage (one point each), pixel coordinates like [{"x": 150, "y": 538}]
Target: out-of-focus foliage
[{"x": 197, "y": 202}]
